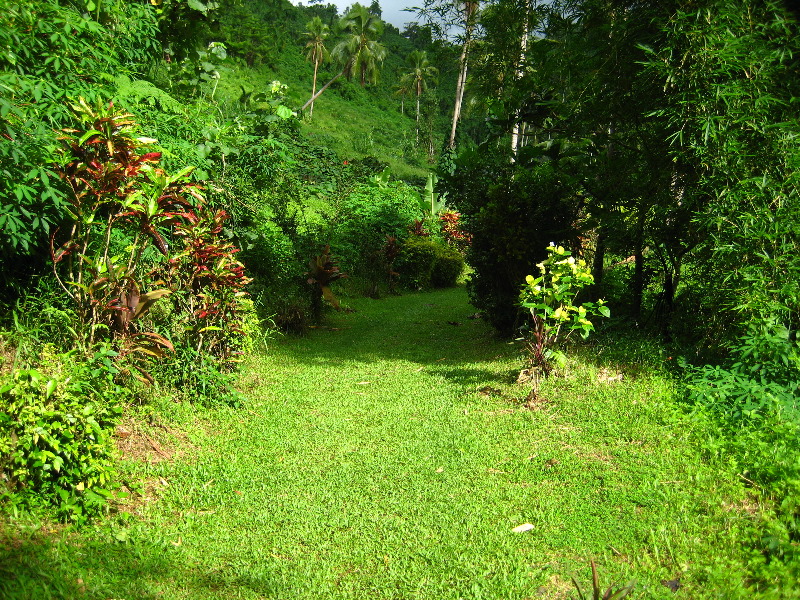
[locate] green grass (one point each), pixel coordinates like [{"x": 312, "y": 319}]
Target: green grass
[
  {"x": 352, "y": 121},
  {"x": 388, "y": 455}
]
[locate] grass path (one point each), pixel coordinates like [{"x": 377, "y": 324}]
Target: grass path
[{"x": 385, "y": 457}]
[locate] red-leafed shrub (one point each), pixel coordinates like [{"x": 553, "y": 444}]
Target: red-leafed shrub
[
  {"x": 134, "y": 228},
  {"x": 452, "y": 232},
  {"x": 208, "y": 283}
]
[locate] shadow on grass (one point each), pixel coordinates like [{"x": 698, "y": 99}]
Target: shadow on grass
[
  {"x": 436, "y": 331},
  {"x": 472, "y": 377},
  {"x": 432, "y": 329},
  {"x": 40, "y": 567}
]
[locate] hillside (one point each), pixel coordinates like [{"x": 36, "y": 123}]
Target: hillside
[{"x": 266, "y": 43}]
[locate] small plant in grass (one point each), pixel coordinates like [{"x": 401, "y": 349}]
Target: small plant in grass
[
  {"x": 323, "y": 271},
  {"x": 550, "y": 299},
  {"x": 597, "y": 592},
  {"x": 199, "y": 377}
]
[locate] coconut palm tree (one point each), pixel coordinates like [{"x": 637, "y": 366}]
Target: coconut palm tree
[
  {"x": 403, "y": 88},
  {"x": 420, "y": 73},
  {"x": 316, "y": 52},
  {"x": 359, "y": 52}
]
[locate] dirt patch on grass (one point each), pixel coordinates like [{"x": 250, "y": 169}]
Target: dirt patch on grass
[
  {"x": 7, "y": 354},
  {"x": 137, "y": 445},
  {"x": 151, "y": 443},
  {"x": 751, "y": 506},
  {"x": 9, "y": 541}
]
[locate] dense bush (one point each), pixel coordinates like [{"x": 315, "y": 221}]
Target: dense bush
[
  {"x": 763, "y": 379},
  {"x": 55, "y": 432},
  {"x": 423, "y": 263},
  {"x": 511, "y": 213},
  {"x": 365, "y": 219},
  {"x": 447, "y": 268},
  {"x": 55, "y": 53},
  {"x": 270, "y": 255},
  {"x": 415, "y": 262}
]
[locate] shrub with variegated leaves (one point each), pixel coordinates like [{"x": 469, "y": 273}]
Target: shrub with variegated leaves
[{"x": 550, "y": 299}]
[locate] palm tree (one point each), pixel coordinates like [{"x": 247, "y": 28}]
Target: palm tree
[
  {"x": 403, "y": 89},
  {"x": 421, "y": 71},
  {"x": 360, "y": 52},
  {"x": 317, "y": 53}
]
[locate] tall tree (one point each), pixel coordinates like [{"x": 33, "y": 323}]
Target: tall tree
[
  {"x": 420, "y": 73},
  {"x": 469, "y": 10},
  {"x": 359, "y": 52},
  {"x": 444, "y": 17},
  {"x": 403, "y": 88},
  {"x": 375, "y": 9},
  {"x": 316, "y": 52},
  {"x": 516, "y": 128}
]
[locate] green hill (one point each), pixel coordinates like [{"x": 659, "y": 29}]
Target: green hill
[{"x": 265, "y": 43}]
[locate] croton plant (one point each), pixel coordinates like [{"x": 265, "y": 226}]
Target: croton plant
[{"x": 122, "y": 205}]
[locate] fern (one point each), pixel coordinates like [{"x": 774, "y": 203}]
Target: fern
[{"x": 135, "y": 91}]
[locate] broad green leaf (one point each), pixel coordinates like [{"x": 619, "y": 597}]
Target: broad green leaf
[
  {"x": 283, "y": 112},
  {"x": 197, "y": 5},
  {"x": 89, "y": 134}
]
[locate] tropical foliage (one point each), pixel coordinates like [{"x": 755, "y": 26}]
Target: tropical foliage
[
  {"x": 551, "y": 298},
  {"x": 317, "y": 32},
  {"x": 164, "y": 195}
]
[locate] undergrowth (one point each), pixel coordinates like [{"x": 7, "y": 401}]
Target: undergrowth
[{"x": 391, "y": 453}]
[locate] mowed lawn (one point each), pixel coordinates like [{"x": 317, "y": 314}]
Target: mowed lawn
[{"x": 390, "y": 454}]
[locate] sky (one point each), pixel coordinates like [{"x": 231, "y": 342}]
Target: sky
[{"x": 392, "y": 9}]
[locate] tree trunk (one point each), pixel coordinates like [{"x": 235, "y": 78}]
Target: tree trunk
[
  {"x": 597, "y": 262},
  {"x": 670, "y": 283},
  {"x": 462, "y": 76},
  {"x": 470, "y": 8},
  {"x": 417, "y": 118},
  {"x": 523, "y": 48},
  {"x": 638, "y": 272},
  {"x": 313, "y": 90},
  {"x": 322, "y": 89}
]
